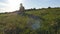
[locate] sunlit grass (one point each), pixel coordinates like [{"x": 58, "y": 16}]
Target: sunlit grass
[{"x": 50, "y": 16}]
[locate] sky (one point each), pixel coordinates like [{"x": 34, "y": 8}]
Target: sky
[{"x": 13, "y": 5}]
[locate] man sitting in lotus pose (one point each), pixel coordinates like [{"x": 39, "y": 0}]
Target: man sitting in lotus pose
[{"x": 22, "y": 9}]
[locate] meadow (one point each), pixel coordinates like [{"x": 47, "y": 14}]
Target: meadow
[{"x": 18, "y": 24}]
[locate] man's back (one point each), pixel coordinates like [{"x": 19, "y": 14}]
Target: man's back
[{"x": 22, "y": 9}]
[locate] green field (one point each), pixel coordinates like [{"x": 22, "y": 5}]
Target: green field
[{"x": 49, "y": 22}]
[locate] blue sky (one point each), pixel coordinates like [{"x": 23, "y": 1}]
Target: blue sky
[
  {"x": 42, "y": 3},
  {"x": 11, "y": 5},
  {"x": 4, "y": 1}
]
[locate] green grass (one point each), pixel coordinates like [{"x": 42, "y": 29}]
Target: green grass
[{"x": 51, "y": 19}]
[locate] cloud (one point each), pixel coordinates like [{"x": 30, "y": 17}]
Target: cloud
[
  {"x": 10, "y": 6},
  {"x": 3, "y": 4},
  {"x": 3, "y": 7}
]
